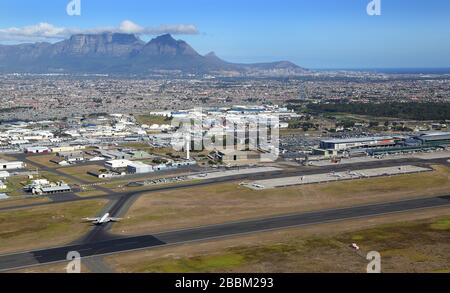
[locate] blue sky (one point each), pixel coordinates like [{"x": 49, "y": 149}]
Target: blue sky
[{"x": 311, "y": 33}]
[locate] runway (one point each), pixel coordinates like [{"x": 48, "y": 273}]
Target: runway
[{"x": 111, "y": 246}]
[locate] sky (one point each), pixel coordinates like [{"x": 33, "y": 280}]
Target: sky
[{"x": 311, "y": 33}]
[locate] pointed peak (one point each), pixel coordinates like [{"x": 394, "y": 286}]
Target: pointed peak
[
  {"x": 166, "y": 37},
  {"x": 213, "y": 57},
  {"x": 211, "y": 54}
]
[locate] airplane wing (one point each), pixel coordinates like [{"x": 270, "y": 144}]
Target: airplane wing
[
  {"x": 115, "y": 219},
  {"x": 91, "y": 219}
]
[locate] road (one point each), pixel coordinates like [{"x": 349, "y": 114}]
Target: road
[{"x": 116, "y": 245}]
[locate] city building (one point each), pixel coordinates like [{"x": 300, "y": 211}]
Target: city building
[
  {"x": 43, "y": 186},
  {"x": 139, "y": 168},
  {"x": 434, "y": 139},
  {"x": 4, "y": 165},
  {"x": 101, "y": 175},
  {"x": 357, "y": 143},
  {"x": 117, "y": 164},
  {"x": 228, "y": 156},
  {"x": 60, "y": 188},
  {"x": 115, "y": 155},
  {"x": 64, "y": 149},
  {"x": 37, "y": 150},
  {"x": 4, "y": 174}
]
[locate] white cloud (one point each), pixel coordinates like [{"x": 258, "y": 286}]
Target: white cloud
[
  {"x": 47, "y": 32},
  {"x": 127, "y": 26}
]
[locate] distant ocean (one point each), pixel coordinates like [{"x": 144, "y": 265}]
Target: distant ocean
[{"x": 397, "y": 70}]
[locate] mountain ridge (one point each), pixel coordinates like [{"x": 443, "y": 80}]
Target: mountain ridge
[{"x": 125, "y": 54}]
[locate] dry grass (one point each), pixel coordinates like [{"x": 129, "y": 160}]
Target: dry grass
[
  {"x": 230, "y": 202},
  {"x": 13, "y": 202},
  {"x": 7, "y": 158},
  {"x": 45, "y": 226},
  {"x": 15, "y": 185},
  {"x": 52, "y": 177},
  {"x": 91, "y": 193},
  {"x": 408, "y": 242},
  {"x": 81, "y": 172},
  {"x": 43, "y": 160},
  {"x": 152, "y": 119}
]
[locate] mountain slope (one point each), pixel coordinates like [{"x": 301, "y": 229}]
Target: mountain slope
[{"x": 124, "y": 54}]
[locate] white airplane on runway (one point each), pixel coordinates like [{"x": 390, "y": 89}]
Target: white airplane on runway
[{"x": 103, "y": 220}]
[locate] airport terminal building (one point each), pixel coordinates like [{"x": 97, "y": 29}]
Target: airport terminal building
[
  {"x": 434, "y": 139},
  {"x": 385, "y": 144},
  {"x": 341, "y": 145}
]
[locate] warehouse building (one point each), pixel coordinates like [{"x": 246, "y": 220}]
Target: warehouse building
[
  {"x": 115, "y": 155},
  {"x": 4, "y": 174},
  {"x": 37, "y": 150},
  {"x": 66, "y": 149},
  {"x": 434, "y": 139},
  {"x": 43, "y": 186},
  {"x": 4, "y": 165},
  {"x": 101, "y": 175},
  {"x": 139, "y": 168},
  {"x": 61, "y": 188},
  {"x": 117, "y": 164}
]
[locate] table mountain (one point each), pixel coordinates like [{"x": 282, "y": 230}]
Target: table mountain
[{"x": 118, "y": 53}]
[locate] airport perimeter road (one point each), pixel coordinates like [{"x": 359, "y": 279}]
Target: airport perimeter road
[{"x": 22, "y": 260}]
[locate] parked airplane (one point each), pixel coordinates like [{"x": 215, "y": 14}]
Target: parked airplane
[
  {"x": 258, "y": 186},
  {"x": 103, "y": 220}
]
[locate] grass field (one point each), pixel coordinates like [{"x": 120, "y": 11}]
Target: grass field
[
  {"x": 404, "y": 245},
  {"x": 45, "y": 226},
  {"x": 91, "y": 193},
  {"x": 52, "y": 177},
  {"x": 81, "y": 172},
  {"x": 15, "y": 185},
  {"x": 7, "y": 158},
  {"x": 18, "y": 201},
  {"x": 43, "y": 160},
  {"x": 230, "y": 202},
  {"x": 152, "y": 119}
]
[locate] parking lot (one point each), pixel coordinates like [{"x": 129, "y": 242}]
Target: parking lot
[{"x": 333, "y": 177}]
